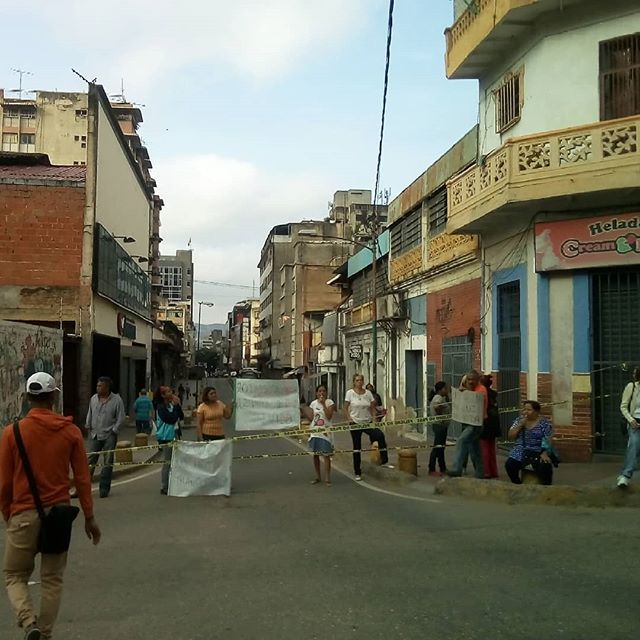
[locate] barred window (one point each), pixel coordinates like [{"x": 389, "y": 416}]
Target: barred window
[
  {"x": 437, "y": 210},
  {"x": 407, "y": 233},
  {"x": 509, "y": 97},
  {"x": 620, "y": 77}
]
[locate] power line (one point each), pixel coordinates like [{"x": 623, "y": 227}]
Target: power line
[
  {"x": 226, "y": 284},
  {"x": 384, "y": 103}
]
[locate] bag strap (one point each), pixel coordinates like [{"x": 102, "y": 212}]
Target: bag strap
[{"x": 27, "y": 469}]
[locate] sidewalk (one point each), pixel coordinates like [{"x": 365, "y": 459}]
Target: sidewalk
[{"x": 574, "y": 483}]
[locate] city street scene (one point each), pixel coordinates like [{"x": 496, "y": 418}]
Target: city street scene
[{"x": 319, "y": 319}]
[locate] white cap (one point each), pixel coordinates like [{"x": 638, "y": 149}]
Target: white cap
[{"x": 40, "y": 383}]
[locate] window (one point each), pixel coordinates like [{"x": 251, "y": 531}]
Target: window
[
  {"x": 11, "y": 119},
  {"x": 81, "y": 113},
  {"x": 83, "y": 138},
  {"x": 171, "y": 282},
  {"x": 509, "y": 97},
  {"x": 437, "y": 210},
  {"x": 83, "y": 145},
  {"x": 407, "y": 233},
  {"x": 10, "y": 142},
  {"x": 76, "y": 138},
  {"x": 620, "y": 77},
  {"x": 27, "y": 142}
]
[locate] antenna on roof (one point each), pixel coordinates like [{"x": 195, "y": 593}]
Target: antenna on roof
[
  {"x": 21, "y": 73},
  {"x": 83, "y": 78}
]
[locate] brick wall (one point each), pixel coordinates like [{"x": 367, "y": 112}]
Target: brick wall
[
  {"x": 40, "y": 250},
  {"x": 452, "y": 312}
]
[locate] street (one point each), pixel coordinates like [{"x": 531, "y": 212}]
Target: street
[{"x": 284, "y": 559}]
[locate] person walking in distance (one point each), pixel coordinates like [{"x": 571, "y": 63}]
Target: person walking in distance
[
  {"x": 469, "y": 441},
  {"x": 439, "y": 405},
  {"x": 360, "y": 410},
  {"x": 104, "y": 419},
  {"x": 143, "y": 409},
  {"x": 630, "y": 409},
  {"x": 169, "y": 413},
  {"x": 52, "y": 443}
]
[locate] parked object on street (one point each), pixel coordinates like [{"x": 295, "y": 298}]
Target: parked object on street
[
  {"x": 532, "y": 436},
  {"x": 630, "y": 409},
  {"x": 104, "y": 419},
  {"x": 321, "y": 440},
  {"x": 35, "y": 457}
]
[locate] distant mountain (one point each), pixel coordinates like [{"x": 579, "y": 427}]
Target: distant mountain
[{"x": 206, "y": 329}]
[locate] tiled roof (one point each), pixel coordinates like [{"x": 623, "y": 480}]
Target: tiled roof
[{"x": 74, "y": 173}]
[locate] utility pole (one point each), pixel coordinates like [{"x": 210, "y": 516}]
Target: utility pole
[
  {"x": 21, "y": 73},
  {"x": 374, "y": 299},
  {"x": 206, "y": 304}
]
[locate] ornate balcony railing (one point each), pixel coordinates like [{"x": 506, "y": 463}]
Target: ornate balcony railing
[{"x": 569, "y": 161}]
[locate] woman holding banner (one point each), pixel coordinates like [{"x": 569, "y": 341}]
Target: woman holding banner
[
  {"x": 168, "y": 415},
  {"x": 210, "y": 413},
  {"x": 360, "y": 409}
]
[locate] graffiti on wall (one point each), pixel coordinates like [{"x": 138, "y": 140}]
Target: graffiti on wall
[{"x": 24, "y": 350}]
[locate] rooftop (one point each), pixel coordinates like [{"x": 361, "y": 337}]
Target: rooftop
[{"x": 75, "y": 173}]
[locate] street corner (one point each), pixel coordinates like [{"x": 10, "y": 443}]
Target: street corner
[{"x": 555, "y": 495}]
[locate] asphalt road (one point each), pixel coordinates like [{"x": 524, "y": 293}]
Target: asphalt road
[{"x": 287, "y": 560}]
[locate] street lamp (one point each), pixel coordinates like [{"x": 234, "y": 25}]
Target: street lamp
[
  {"x": 206, "y": 304},
  {"x": 373, "y": 247}
]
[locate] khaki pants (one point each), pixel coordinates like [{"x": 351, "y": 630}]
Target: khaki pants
[{"x": 19, "y": 558}]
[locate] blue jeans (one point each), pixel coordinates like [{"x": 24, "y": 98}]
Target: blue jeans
[
  {"x": 633, "y": 451},
  {"x": 469, "y": 445}
]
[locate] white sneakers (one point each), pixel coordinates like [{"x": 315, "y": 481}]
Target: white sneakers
[
  {"x": 387, "y": 466},
  {"x": 358, "y": 478},
  {"x": 623, "y": 481}
]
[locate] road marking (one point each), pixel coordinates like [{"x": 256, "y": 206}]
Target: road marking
[
  {"x": 128, "y": 480},
  {"x": 372, "y": 487}
]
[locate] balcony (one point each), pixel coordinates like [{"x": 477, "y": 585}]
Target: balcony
[
  {"x": 488, "y": 29},
  {"x": 596, "y": 165}
]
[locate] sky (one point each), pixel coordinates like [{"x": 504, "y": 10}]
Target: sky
[{"x": 255, "y": 111}]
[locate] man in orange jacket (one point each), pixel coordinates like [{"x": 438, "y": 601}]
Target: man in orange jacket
[{"x": 52, "y": 443}]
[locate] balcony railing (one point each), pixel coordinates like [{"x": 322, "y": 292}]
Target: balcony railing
[
  {"x": 566, "y": 162},
  {"x": 117, "y": 276}
]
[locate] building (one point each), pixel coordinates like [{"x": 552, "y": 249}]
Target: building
[
  {"x": 244, "y": 332},
  {"x": 176, "y": 276},
  {"x": 554, "y": 195},
  {"x": 85, "y": 230},
  {"x": 355, "y": 210}
]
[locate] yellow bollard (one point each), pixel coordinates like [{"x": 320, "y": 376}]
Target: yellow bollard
[
  {"x": 374, "y": 454},
  {"x": 408, "y": 461},
  {"x": 123, "y": 456},
  {"x": 142, "y": 439}
]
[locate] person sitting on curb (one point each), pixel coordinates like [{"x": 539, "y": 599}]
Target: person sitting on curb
[
  {"x": 630, "y": 409},
  {"x": 532, "y": 436}
]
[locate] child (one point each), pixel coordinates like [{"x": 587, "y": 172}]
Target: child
[{"x": 321, "y": 441}]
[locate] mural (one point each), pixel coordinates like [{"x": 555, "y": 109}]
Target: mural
[{"x": 25, "y": 349}]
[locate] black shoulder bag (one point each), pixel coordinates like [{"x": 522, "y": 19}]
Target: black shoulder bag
[{"x": 55, "y": 526}]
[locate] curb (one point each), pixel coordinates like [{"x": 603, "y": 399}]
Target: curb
[
  {"x": 555, "y": 495},
  {"x": 374, "y": 471}
]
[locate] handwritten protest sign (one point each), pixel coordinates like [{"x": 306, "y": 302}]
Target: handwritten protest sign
[
  {"x": 468, "y": 407},
  {"x": 201, "y": 469},
  {"x": 262, "y": 405}
]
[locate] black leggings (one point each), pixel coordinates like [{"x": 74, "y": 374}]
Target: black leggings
[
  {"x": 375, "y": 435},
  {"x": 439, "y": 444},
  {"x": 543, "y": 470}
]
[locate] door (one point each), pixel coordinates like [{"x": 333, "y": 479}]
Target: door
[
  {"x": 457, "y": 360},
  {"x": 414, "y": 380},
  {"x": 616, "y": 350},
  {"x": 509, "y": 356}
]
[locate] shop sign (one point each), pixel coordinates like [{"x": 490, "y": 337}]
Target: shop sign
[
  {"x": 126, "y": 327},
  {"x": 581, "y": 243},
  {"x": 355, "y": 352}
]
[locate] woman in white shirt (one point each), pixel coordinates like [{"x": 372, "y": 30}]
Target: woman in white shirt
[
  {"x": 630, "y": 409},
  {"x": 360, "y": 409},
  {"x": 321, "y": 440}
]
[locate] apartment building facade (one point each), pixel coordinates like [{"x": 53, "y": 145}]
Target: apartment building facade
[{"x": 554, "y": 195}]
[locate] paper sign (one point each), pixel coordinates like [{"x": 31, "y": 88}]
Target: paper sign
[
  {"x": 201, "y": 469},
  {"x": 468, "y": 407},
  {"x": 262, "y": 405}
]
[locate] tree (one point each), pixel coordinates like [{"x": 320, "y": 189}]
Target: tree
[{"x": 208, "y": 359}]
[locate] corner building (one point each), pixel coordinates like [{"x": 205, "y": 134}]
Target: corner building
[{"x": 554, "y": 196}]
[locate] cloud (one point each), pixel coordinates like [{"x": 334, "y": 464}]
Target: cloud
[
  {"x": 148, "y": 40},
  {"x": 227, "y": 206}
]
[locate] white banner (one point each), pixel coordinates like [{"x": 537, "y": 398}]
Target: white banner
[
  {"x": 201, "y": 469},
  {"x": 262, "y": 405},
  {"x": 468, "y": 407}
]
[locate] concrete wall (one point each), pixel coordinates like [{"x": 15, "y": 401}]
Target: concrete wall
[
  {"x": 24, "y": 350},
  {"x": 561, "y": 84},
  {"x": 122, "y": 204}
]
